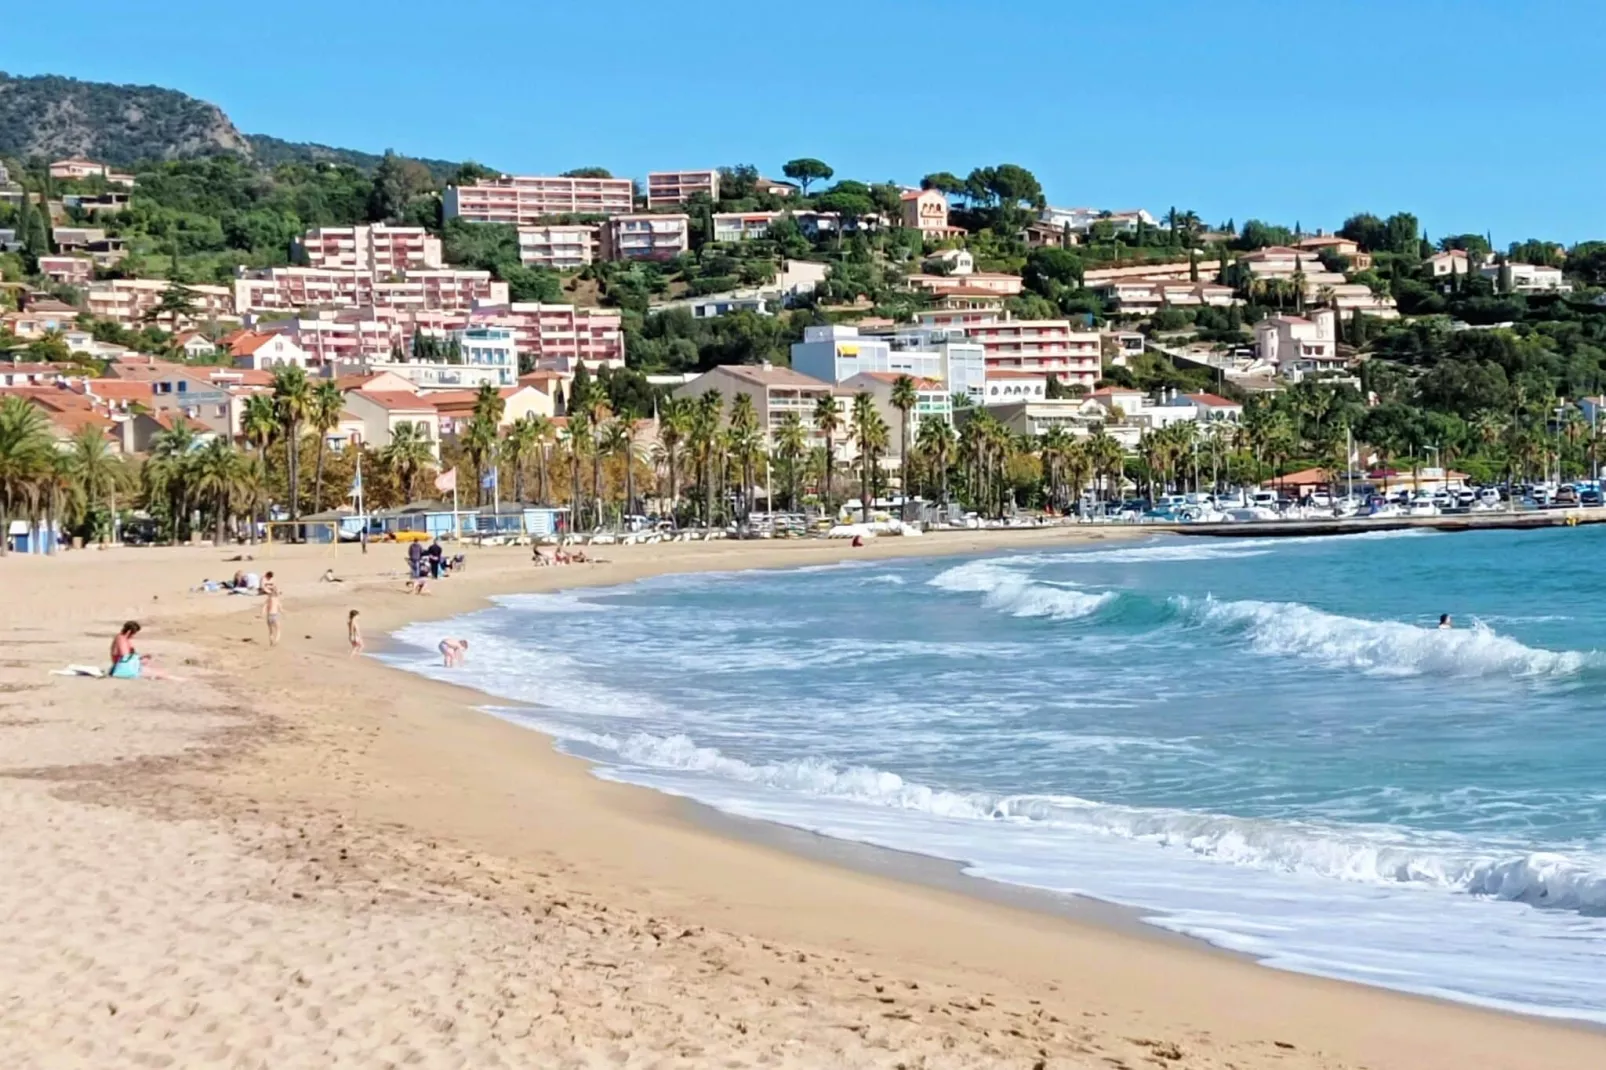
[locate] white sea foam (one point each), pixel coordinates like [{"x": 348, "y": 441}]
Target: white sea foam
[
  {"x": 1291, "y": 629},
  {"x": 1371, "y": 854},
  {"x": 1193, "y": 551},
  {"x": 1012, "y": 592}
]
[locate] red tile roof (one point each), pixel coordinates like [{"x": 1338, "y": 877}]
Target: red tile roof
[
  {"x": 1212, "y": 399},
  {"x": 397, "y": 399}
]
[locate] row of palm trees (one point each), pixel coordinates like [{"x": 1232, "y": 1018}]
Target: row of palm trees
[{"x": 42, "y": 479}]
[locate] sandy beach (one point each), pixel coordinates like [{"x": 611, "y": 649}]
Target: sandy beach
[{"x": 295, "y": 858}]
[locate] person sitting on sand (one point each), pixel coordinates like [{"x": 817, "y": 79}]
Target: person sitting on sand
[
  {"x": 330, "y": 577},
  {"x": 453, "y": 650},
  {"x": 127, "y": 664},
  {"x": 354, "y": 633}
]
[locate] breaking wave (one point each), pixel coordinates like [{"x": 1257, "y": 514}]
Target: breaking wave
[
  {"x": 1012, "y": 592},
  {"x": 1291, "y": 629},
  {"x": 1375, "y": 855}
]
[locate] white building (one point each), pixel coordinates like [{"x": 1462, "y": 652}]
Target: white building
[
  {"x": 1080, "y": 220},
  {"x": 837, "y": 353},
  {"x": 1529, "y": 278},
  {"x": 492, "y": 349}
]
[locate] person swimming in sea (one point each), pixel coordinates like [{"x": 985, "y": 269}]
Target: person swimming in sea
[{"x": 1445, "y": 623}]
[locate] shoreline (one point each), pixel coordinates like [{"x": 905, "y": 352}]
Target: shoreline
[{"x": 329, "y": 744}]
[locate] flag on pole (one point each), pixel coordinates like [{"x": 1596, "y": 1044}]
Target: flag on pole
[
  {"x": 488, "y": 480},
  {"x": 447, "y": 480}
]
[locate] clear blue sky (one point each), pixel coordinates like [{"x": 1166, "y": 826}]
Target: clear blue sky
[{"x": 1476, "y": 115}]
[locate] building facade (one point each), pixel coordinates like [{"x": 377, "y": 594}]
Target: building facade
[
  {"x": 669, "y": 189},
  {"x": 646, "y": 237},
  {"x": 525, "y": 200},
  {"x": 559, "y": 246},
  {"x": 379, "y": 249},
  {"x": 1050, "y": 347}
]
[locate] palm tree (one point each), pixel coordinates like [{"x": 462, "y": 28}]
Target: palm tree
[
  {"x": 1055, "y": 449},
  {"x": 521, "y": 441},
  {"x": 407, "y": 454},
  {"x": 25, "y": 448},
  {"x": 828, "y": 421},
  {"x": 1078, "y": 469},
  {"x": 1107, "y": 457},
  {"x": 791, "y": 446},
  {"x": 674, "y": 428},
  {"x": 746, "y": 445},
  {"x": 619, "y": 441},
  {"x": 96, "y": 474},
  {"x": 259, "y": 421},
  {"x": 323, "y": 414},
  {"x": 217, "y": 477},
  {"x": 707, "y": 446},
  {"x": 545, "y": 437},
  {"x": 937, "y": 446},
  {"x": 904, "y": 398},
  {"x": 479, "y": 446},
  {"x": 168, "y": 474},
  {"x": 870, "y": 433},
  {"x": 292, "y": 398},
  {"x": 580, "y": 440}
]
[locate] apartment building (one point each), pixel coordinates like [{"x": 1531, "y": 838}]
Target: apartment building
[
  {"x": 1146, "y": 298},
  {"x": 1050, "y": 347},
  {"x": 559, "y": 246},
  {"x": 1081, "y": 220},
  {"x": 132, "y": 301},
  {"x": 932, "y": 402},
  {"x": 776, "y": 394},
  {"x": 838, "y": 353},
  {"x": 1283, "y": 262},
  {"x": 992, "y": 281},
  {"x": 962, "y": 307},
  {"x": 669, "y": 189},
  {"x": 745, "y": 226},
  {"x": 524, "y": 200},
  {"x": 379, "y": 249},
  {"x": 557, "y": 338},
  {"x": 646, "y": 237},
  {"x": 343, "y": 336},
  {"x": 294, "y": 288},
  {"x": 1333, "y": 243},
  {"x": 68, "y": 270}
]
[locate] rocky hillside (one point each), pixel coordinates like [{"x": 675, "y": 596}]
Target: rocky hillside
[{"x": 52, "y": 117}]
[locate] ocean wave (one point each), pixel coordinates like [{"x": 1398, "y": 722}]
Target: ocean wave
[
  {"x": 1012, "y": 592},
  {"x": 1172, "y": 552},
  {"x": 1292, "y": 629},
  {"x": 1374, "y": 855}
]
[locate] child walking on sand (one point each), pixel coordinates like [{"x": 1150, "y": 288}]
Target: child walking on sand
[
  {"x": 354, "y": 633},
  {"x": 271, "y": 610}
]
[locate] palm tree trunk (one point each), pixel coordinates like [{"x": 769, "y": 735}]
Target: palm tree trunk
[
  {"x": 540, "y": 461},
  {"x": 222, "y": 513},
  {"x": 5, "y": 526},
  {"x": 596, "y": 482},
  {"x": 317, "y": 478},
  {"x": 292, "y": 467}
]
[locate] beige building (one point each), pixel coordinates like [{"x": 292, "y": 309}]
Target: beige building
[
  {"x": 646, "y": 237},
  {"x": 776, "y": 393},
  {"x": 926, "y": 210},
  {"x": 455, "y": 408},
  {"x": 381, "y": 412},
  {"x": 670, "y": 189},
  {"x": 1299, "y": 347},
  {"x": 559, "y": 246}
]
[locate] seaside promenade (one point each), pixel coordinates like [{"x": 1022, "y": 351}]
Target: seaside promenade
[{"x": 297, "y": 858}]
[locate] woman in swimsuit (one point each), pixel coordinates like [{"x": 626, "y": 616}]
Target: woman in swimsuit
[{"x": 126, "y": 661}]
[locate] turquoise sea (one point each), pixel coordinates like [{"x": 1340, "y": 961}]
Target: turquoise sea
[{"x": 1266, "y": 744}]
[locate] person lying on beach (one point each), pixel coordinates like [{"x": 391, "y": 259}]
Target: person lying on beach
[
  {"x": 454, "y": 650},
  {"x": 127, "y": 664},
  {"x": 330, "y": 577},
  {"x": 354, "y": 633},
  {"x": 271, "y": 610}
]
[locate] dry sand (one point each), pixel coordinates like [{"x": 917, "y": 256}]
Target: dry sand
[{"x": 298, "y": 859}]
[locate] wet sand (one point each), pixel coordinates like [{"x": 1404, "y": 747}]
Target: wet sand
[{"x": 297, "y": 858}]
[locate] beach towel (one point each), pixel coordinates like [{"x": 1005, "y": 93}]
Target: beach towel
[{"x": 79, "y": 670}]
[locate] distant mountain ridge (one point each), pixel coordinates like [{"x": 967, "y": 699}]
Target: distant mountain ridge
[{"x": 53, "y": 116}]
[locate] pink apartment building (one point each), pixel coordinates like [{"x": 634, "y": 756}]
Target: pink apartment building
[
  {"x": 343, "y": 337},
  {"x": 281, "y": 289},
  {"x": 129, "y": 301},
  {"x": 523, "y": 200},
  {"x": 555, "y": 337},
  {"x": 667, "y": 189},
  {"x": 379, "y": 249},
  {"x": 1050, "y": 347},
  {"x": 646, "y": 237}
]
